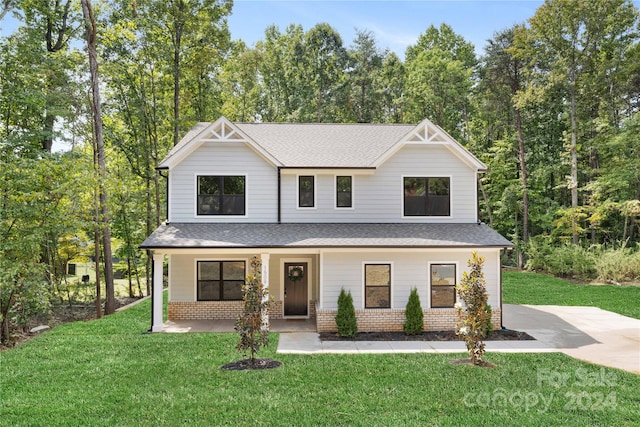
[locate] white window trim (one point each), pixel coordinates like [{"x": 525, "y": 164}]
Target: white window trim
[
  {"x": 335, "y": 194},
  {"x": 310, "y": 276},
  {"x": 221, "y": 259},
  {"x": 364, "y": 285},
  {"x": 422, "y": 217},
  {"x": 220, "y": 217},
  {"x": 315, "y": 193},
  {"x": 458, "y": 276}
]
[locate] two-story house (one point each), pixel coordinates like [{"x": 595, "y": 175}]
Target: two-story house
[{"x": 374, "y": 209}]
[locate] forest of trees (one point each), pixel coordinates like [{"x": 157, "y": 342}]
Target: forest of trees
[{"x": 551, "y": 106}]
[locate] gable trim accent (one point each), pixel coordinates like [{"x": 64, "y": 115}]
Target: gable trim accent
[
  {"x": 222, "y": 130},
  {"x": 427, "y": 133}
]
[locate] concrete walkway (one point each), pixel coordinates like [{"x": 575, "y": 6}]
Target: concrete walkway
[
  {"x": 586, "y": 333},
  {"x": 310, "y": 343}
]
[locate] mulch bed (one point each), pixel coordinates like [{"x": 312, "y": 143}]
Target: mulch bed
[
  {"x": 245, "y": 364},
  {"x": 498, "y": 335}
]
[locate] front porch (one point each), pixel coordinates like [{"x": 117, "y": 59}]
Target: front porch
[{"x": 226, "y": 325}]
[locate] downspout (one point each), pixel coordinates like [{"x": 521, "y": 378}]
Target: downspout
[
  {"x": 500, "y": 278},
  {"x": 279, "y": 195},
  {"x": 166, "y": 201}
]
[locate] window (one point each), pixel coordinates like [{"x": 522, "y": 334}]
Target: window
[
  {"x": 426, "y": 196},
  {"x": 221, "y": 195},
  {"x": 443, "y": 285},
  {"x": 343, "y": 192},
  {"x": 220, "y": 280},
  {"x": 377, "y": 285},
  {"x": 306, "y": 190}
]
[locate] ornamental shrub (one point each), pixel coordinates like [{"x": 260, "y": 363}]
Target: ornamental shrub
[
  {"x": 414, "y": 316},
  {"x": 253, "y": 323},
  {"x": 473, "y": 316},
  {"x": 346, "y": 317}
]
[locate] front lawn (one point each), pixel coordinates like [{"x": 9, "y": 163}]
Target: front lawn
[
  {"x": 540, "y": 289},
  {"x": 107, "y": 373}
]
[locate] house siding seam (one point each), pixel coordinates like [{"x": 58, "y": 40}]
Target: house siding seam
[{"x": 393, "y": 320}]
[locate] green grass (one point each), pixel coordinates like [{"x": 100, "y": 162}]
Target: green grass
[
  {"x": 107, "y": 373},
  {"x": 539, "y": 289}
]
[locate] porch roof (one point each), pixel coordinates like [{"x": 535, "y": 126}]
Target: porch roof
[{"x": 321, "y": 235}]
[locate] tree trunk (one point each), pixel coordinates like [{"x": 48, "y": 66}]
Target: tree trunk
[
  {"x": 574, "y": 160},
  {"x": 178, "y": 28},
  {"x": 96, "y": 253},
  {"x": 96, "y": 110},
  {"x": 523, "y": 175},
  {"x": 486, "y": 203}
]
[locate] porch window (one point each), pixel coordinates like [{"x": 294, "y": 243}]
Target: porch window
[
  {"x": 377, "y": 286},
  {"x": 221, "y": 195},
  {"x": 426, "y": 196},
  {"x": 306, "y": 191},
  {"x": 220, "y": 280},
  {"x": 344, "y": 191},
  {"x": 443, "y": 285}
]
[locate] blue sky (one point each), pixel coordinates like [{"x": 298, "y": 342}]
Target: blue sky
[{"x": 395, "y": 24}]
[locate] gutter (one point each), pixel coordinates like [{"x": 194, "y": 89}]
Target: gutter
[{"x": 279, "y": 195}]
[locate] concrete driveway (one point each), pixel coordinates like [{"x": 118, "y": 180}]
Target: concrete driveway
[{"x": 586, "y": 333}]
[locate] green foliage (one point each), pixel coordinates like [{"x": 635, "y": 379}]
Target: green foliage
[
  {"x": 473, "y": 316},
  {"x": 373, "y": 389},
  {"x": 346, "y": 321},
  {"x": 566, "y": 260},
  {"x": 414, "y": 316},
  {"x": 252, "y": 325},
  {"x": 618, "y": 265},
  {"x": 540, "y": 289}
]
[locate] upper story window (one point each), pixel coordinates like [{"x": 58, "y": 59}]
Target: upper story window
[
  {"x": 221, "y": 195},
  {"x": 344, "y": 191},
  {"x": 306, "y": 191},
  {"x": 426, "y": 196}
]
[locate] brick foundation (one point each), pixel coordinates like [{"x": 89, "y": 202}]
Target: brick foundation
[
  {"x": 389, "y": 320},
  {"x": 371, "y": 320},
  {"x": 216, "y": 310}
]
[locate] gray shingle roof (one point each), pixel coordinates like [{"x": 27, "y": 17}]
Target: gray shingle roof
[
  {"x": 323, "y": 144},
  {"x": 224, "y": 235},
  {"x": 315, "y": 144}
]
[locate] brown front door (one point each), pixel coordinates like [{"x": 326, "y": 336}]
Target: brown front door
[{"x": 295, "y": 288}]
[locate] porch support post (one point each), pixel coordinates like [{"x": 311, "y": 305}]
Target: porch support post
[
  {"x": 264, "y": 258},
  {"x": 156, "y": 311}
]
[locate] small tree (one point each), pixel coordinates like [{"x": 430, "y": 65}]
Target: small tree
[
  {"x": 346, "y": 317},
  {"x": 413, "y": 314},
  {"x": 251, "y": 325},
  {"x": 473, "y": 317}
]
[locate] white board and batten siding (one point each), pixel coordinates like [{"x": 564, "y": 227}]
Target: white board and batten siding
[
  {"x": 378, "y": 197},
  {"x": 224, "y": 158},
  {"x": 409, "y": 269}
]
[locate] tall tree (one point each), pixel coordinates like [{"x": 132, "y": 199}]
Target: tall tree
[
  {"x": 366, "y": 64},
  {"x": 326, "y": 58},
  {"x": 503, "y": 75},
  {"x": 194, "y": 30},
  {"x": 96, "y": 113},
  {"x": 391, "y": 85},
  {"x": 563, "y": 37},
  {"x": 440, "y": 69}
]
